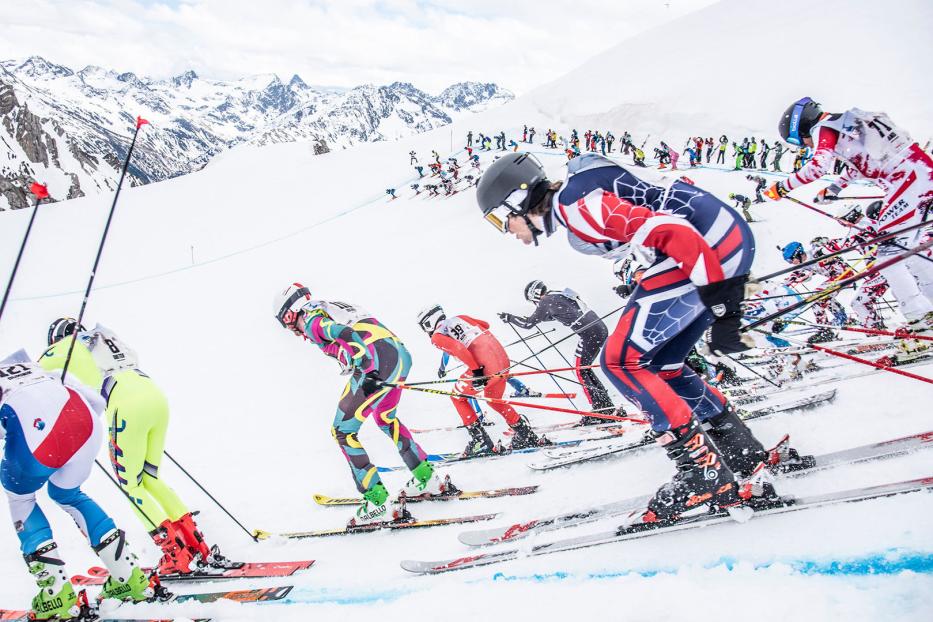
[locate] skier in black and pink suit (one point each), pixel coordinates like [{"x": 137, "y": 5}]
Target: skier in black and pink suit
[{"x": 699, "y": 252}]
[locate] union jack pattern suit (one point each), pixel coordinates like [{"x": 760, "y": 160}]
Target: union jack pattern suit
[{"x": 690, "y": 238}]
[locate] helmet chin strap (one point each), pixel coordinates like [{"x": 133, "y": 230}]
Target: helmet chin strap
[{"x": 535, "y": 232}]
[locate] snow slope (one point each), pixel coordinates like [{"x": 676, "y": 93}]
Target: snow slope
[{"x": 188, "y": 276}]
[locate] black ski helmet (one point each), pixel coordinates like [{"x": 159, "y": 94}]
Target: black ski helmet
[
  {"x": 535, "y": 290},
  {"x": 798, "y": 120},
  {"x": 61, "y": 328},
  {"x": 516, "y": 181}
]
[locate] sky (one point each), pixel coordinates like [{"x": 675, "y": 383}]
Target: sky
[{"x": 518, "y": 44}]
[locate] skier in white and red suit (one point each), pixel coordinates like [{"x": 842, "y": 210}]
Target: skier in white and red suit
[
  {"x": 874, "y": 149},
  {"x": 699, "y": 252}
]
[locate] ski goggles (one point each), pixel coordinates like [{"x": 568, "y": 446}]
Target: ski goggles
[
  {"x": 498, "y": 216},
  {"x": 793, "y": 131}
]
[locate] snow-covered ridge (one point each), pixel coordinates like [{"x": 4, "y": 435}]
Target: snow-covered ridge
[{"x": 70, "y": 128}]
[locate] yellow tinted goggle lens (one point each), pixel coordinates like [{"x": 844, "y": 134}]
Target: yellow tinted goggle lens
[{"x": 499, "y": 219}]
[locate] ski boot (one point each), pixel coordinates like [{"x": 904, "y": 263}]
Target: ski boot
[
  {"x": 607, "y": 410},
  {"x": 526, "y": 392},
  {"x": 725, "y": 376},
  {"x": 525, "y": 437},
  {"x": 480, "y": 444},
  {"x": 203, "y": 555},
  {"x": 737, "y": 446},
  {"x": 426, "y": 482},
  {"x": 703, "y": 481},
  {"x": 127, "y": 581},
  {"x": 376, "y": 508},
  {"x": 782, "y": 458},
  {"x": 823, "y": 335},
  {"x": 56, "y": 598},
  {"x": 177, "y": 559}
]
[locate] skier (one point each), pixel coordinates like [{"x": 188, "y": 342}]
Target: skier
[
  {"x": 137, "y": 412},
  {"x": 52, "y": 435},
  {"x": 709, "y": 149},
  {"x": 877, "y": 150},
  {"x": 765, "y": 148},
  {"x": 470, "y": 138},
  {"x": 375, "y": 360},
  {"x": 413, "y": 156},
  {"x": 760, "y": 183},
  {"x": 723, "y": 143},
  {"x": 469, "y": 340},
  {"x": 531, "y": 135},
  {"x": 568, "y": 308},
  {"x": 391, "y": 193},
  {"x": 629, "y": 274},
  {"x": 742, "y": 202},
  {"x": 701, "y": 252},
  {"x": 420, "y": 170},
  {"x": 779, "y": 150},
  {"x": 416, "y": 188},
  {"x": 638, "y": 157}
]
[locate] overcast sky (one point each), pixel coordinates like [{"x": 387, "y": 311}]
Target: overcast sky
[{"x": 431, "y": 43}]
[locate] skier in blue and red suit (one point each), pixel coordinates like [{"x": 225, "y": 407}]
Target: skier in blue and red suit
[{"x": 699, "y": 252}]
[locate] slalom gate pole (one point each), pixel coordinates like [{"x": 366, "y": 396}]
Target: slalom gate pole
[
  {"x": 541, "y": 363},
  {"x": 857, "y": 359},
  {"x": 869, "y": 242},
  {"x": 846, "y": 223},
  {"x": 492, "y": 400},
  {"x": 252, "y": 535},
  {"x": 565, "y": 338},
  {"x": 103, "y": 239},
  {"x": 840, "y": 284},
  {"x": 40, "y": 192}
]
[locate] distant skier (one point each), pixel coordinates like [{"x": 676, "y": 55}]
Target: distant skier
[
  {"x": 53, "y": 434},
  {"x": 638, "y": 157},
  {"x": 568, "y": 308},
  {"x": 709, "y": 149},
  {"x": 765, "y": 148},
  {"x": 469, "y": 340},
  {"x": 375, "y": 360},
  {"x": 531, "y": 135},
  {"x": 470, "y": 138},
  {"x": 874, "y": 149},
  {"x": 779, "y": 150},
  {"x": 723, "y": 144},
  {"x": 420, "y": 170},
  {"x": 391, "y": 193},
  {"x": 760, "y": 184},
  {"x": 416, "y": 188},
  {"x": 413, "y": 156},
  {"x": 743, "y": 203}
]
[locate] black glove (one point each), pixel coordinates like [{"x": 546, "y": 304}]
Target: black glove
[
  {"x": 505, "y": 317},
  {"x": 874, "y": 210},
  {"x": 724, "y": 300},
  {"x": 624, "y": 290},
  {"x": 441, "y": 372},
  {"x": 479, "y": 377},
  {"x": 853, "y": 215},
  {"x": 371, "y": 382}
]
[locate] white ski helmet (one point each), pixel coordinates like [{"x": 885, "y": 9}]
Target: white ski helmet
[
  {"x": 430, "y": 317},
  {"x": 292, "y": 298},
  {"x": 535, "y": 290}
]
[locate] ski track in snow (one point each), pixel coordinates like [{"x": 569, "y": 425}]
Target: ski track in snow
[{"x": 252, "y": 405}]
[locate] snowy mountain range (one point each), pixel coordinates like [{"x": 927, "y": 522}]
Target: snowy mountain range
[{"x": 71, "y": 129}]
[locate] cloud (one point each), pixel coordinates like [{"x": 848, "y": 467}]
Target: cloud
[{"x": 431, "y": 43}]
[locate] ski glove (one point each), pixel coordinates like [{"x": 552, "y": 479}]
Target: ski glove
[
  {"x": 776, "y": 192},
  {"x": 724, "y": 300},
  {"x": 827, "y": 194},
  {"x": 372, "y": 383},
  {"x": 441, "y": 372},
  {"x": 479, "y": 380},
  {"x": 505, "y": 317},
  {"x": 624, "y": 290}
]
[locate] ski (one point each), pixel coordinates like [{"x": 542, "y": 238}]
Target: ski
[
  {"x": 460, "y": 494},
  {"x": 371, "y": 527},
  {"x": 573, "y": 455},
  {"x": 860, "y": 453},
  {"x": 256, "y": 570},
  {"x": 265, "y": 594},
  {"x": 782, "y": 506}
]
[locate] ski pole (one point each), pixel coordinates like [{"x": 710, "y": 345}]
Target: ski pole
[
  {"x": 40, "y": 192},
  {"x": 252, "y": 535},
  {"x": 881, "y": 196},
  {"x": 541, "y": 363},
  {"x": 565, "y": 338},
  {"x": 508, "y": 345},
  {"x": 765, "y": 378},
  {"x": 845, "y": 223},
  {"x": 493, "y": 400},
  {"x": 899, "y": 334},
  {"x": 840, "y": 284},
  {"x": 869, "y": 242},
  {"x": 103, "y": 238},
  {"x": 534, "y": 372},
  {"x": 857, "y": 359}
]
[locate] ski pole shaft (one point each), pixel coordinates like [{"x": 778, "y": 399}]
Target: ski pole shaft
[
  {"x": 492, "y": 400},
  {"x": 857, "y": 359},
  {"x": 875, "y": 331},
  {"x": 880, "y": 196},
  {"x": 841, "y": 284},
  {"x": 508, "y": 345},
  {"x": 554, "y": 374},
  {"x": 541, "y": 363},
  {"x": 40, "y": 192},
  {"x": 869, "y": 242},
  {"x": 103, "y": 239},
  {"x": 127, "y": 495},
  {"x": 565, "y": 338},
  {"x": 765, "y": 378},
  {"x": 211, "y": 497}
]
